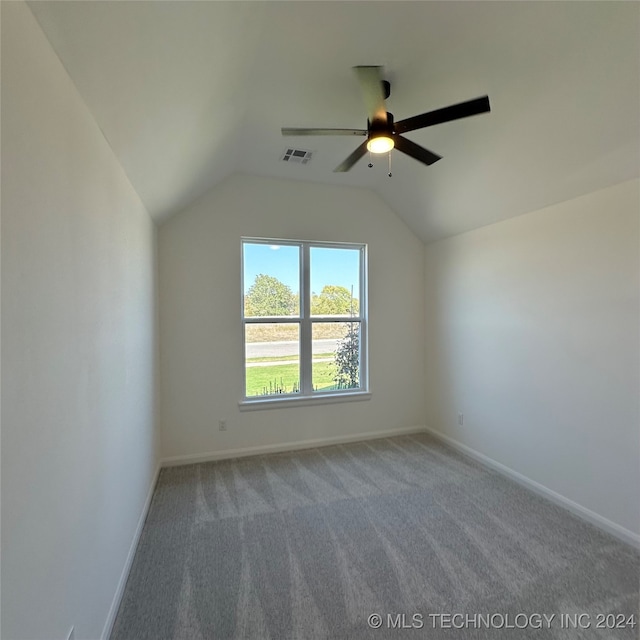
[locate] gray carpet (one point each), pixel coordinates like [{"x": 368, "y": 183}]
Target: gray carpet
[{"x": 308, "y": 544}]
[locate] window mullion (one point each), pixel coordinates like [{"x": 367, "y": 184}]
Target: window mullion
[{"x": 305, "y": 325}]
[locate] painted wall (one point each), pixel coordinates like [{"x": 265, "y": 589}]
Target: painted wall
[
  {"x": 201, "y": 334},
  {"x": 79, "y": 445},
  {"x": 532, "y": 333}
]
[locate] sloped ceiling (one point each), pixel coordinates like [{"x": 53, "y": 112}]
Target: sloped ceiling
[{"x": 188, "y": 92}]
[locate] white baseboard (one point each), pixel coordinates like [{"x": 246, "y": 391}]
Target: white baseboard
[
  {"x": 115, "y": 604},
  {"x": 592, "y": 517},
  {"x": 286, "y": 446}
]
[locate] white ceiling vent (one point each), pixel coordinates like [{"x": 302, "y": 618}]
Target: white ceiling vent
[{"x": 298, "y": 156}]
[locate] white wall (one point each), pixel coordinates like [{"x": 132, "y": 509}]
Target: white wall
[
  {"x": 201, "y": 335},
  {"x": 533, "y": 333},
  {"x": 78, "y": 350}
]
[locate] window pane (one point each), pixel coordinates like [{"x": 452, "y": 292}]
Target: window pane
[
  {"x": 335, "y": 282},
  {"x": 272, "y": 359},
  {"x": 335, "y": 355},
  {"x": 271, "y": 280}
]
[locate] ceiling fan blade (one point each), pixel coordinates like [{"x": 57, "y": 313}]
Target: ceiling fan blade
[
  {"x": 370, "y": 79},
  {"x": 289, "y": 131},
  {"x": 446, "y": 114},
  {"x": 352, "y": 159},
  {"x": 415, "y": 150}
]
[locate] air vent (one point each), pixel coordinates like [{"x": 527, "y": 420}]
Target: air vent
[{"x": 298, "y": 156}]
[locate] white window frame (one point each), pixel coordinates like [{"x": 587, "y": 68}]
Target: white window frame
[{"x": 305, "y": 321}]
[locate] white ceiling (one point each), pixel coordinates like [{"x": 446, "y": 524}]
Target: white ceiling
[{"x": 188, "y": 92}]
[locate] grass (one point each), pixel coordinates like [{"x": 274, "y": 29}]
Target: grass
[
  {"x": 273, "y": 332},
  {"x": 286, "y": 376}
]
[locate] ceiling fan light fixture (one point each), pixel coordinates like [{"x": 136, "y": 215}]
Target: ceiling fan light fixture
[{"x": 380, "y": 144}]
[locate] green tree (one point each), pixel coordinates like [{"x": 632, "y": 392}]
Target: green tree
[
  {"x": 267, "y": 296},
  {"x": 334, "y": 300},
  {"x": 348, "y": 359}
]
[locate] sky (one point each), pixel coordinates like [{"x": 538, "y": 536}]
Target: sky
[{"x": 328, "y": 266}]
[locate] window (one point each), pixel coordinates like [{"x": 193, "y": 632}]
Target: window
[{"x": 304, "y": 317}]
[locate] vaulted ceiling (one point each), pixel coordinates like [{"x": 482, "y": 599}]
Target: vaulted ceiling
[{"x": 187, "y": 93}]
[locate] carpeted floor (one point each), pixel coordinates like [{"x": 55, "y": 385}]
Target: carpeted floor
[{"x": 308, "y": 544}]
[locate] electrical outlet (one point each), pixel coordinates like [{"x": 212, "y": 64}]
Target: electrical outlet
[
  {"x": 461, "y": 419},
  {"x": 222, "y": 425},
  {"x": 72, "y": 634}
]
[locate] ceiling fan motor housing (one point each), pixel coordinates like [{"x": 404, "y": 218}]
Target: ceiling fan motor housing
[{"x": 379, "y": 128}]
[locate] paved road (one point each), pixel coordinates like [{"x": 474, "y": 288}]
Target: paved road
[{"x": 268, "y": 349}]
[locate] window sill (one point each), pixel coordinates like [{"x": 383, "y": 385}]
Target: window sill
[{"x": 281, "y": 403}]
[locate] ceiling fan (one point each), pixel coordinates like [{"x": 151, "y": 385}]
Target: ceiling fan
[{"x": 382, "y": 133}]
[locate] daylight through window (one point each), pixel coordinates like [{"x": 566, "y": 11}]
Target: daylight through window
[{"x": 304, "y": 319}]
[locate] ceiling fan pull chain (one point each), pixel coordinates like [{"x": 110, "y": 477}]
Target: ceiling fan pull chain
[
  {"x": 390, "y": 174},
  {"x": 370, "y": 163}
]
